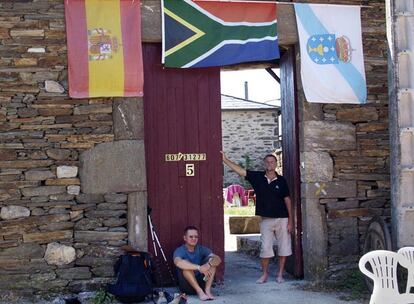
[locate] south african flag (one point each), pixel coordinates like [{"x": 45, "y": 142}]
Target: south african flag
[{"x": 214, "y": 33}]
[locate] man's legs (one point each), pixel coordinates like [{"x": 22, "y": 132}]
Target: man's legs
[
  {"x": 265, "y": 271},
  {"x": 266, "y": 250},
  {"x": 282, "y": 262},
  {"x": 284, "y": 246},
  {"x": 209, "y": 283},
  {"x": 191, "y": 279}
]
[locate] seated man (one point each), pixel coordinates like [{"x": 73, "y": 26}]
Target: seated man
[{"x": 196, "y": 266}]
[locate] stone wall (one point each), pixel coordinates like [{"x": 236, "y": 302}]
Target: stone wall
[
  {"x": 345, "y": 161},
  {"x": 64, "y": 190},
  {"x": 254, "y": 133}
]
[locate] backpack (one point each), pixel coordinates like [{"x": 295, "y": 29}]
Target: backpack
[{"x": 133, "y": 272}]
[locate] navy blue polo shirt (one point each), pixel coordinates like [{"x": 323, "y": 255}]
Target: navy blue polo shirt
[{"x": 269, "y": 196}]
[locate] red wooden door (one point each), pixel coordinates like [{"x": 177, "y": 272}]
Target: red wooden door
[{"x": 182, "y": 114}]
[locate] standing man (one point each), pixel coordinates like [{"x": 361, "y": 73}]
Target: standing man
[
  {"x": 273, "y": 204},
  {"x": 196, "y": 266}
]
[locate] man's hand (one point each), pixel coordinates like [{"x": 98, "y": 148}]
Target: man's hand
[
  {"x": 290, "y": 226},
  {"x": 223, "y": 156},
  {"x": 206, "y": 270},
  {"x": 235, "y": 167},
  {"x": 214, "y": 260}
]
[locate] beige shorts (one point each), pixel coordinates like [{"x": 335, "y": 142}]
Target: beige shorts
[{"x": 271, "y": 228}]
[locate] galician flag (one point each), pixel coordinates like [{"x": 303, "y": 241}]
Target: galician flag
[
  {"x": 332, "y": 60},
  {"x": 104, "y": 48},
  {"x": 216, "y": 33}
]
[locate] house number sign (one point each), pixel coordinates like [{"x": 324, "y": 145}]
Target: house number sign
[
  {"x": 189, "y": 168},
  {"x": 186, "y": 157}
]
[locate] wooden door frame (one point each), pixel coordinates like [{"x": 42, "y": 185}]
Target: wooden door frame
[{"x": 290, "y": 152}]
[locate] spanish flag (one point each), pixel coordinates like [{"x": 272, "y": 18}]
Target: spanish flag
[{"x": 104, "y": 48}]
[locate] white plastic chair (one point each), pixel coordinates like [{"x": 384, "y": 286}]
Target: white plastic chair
[
  {"x": 384, "y": 274},
  {"x": 408, "y": 262}
]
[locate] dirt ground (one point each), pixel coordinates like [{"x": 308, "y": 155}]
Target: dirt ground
[{"x": 239, "y": 287}]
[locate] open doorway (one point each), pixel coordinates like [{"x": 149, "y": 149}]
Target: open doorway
[
  {"x": 253, "y": 125},
  {"x": 251, "y": 128}
]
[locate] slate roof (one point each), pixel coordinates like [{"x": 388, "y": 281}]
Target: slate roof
[{"x": 235, "y": 103}]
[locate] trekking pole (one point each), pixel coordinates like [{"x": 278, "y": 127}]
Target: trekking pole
[
  {"x": 156, "y": 241},
  {"x": 152, "y": 235}
]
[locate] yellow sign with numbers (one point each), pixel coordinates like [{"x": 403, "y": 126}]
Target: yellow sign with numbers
[{"x": 186, "y": 157}]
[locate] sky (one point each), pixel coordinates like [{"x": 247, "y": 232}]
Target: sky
[{"x": 261, "y": 85}]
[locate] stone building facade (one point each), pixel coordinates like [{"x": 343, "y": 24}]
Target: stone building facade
[
  {"x": 63, "y": 206},
  {"x": 65, "y": 212},
  {"x": 345, "y": 161},
  {"x": 250, "y": 130}
]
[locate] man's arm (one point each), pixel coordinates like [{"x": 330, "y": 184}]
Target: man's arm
[
  {"x": 288, "y": 204},
  {"x": 186, "y": 265},
  {"x": 235, "y": 167}
]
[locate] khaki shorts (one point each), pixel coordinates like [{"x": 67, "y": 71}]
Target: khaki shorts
[{"x": 271, "y": 228}]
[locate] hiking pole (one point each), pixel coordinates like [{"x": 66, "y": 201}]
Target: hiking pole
[{"x": 152, "y": 234}]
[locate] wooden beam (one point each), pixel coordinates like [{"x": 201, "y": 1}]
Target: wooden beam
[{"x": 151, "y": 22}]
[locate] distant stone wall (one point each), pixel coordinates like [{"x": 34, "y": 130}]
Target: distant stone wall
[
  {"x": 345, "y": 154},
  {"x": 64, "y": 193},
  {"x": 254, "y": 133}
]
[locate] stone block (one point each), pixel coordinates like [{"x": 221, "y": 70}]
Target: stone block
[
  {"x": 27, "y": 112},
  {"x": 26, "y": 33},
  {"x": 335, "y": 189},
  {"x": 355, "y": 114},
  {"x": 87, "y": 224},
  {"x": 90, "y": 198},
  {"x": 66, "y": 171},
  {"x": 73, "y": 189},
  {"x": 312, "y": 111},
  {"x": 23, "y": 251},
  {"x": 43, "y": 191},
  {"x": 93, "y": 109},
  {"x": 76, "y": 273},
  {"x": 53, "y": 87},
  {"x": 58, "y": 154},
  {"x": 315, "y": 239},
  {"x": 328, "y": 135},
  {"x": 14, "y": 212},
  {"x": 106, "y": 169},
  {"x": 7, "y": 154},
  {"x": 6, "y": 194},
  {"x": 137, "y": 220},
  {"x": 114, "y": 222},
  {"x": 99, "y": 236},
  {"x": 105, "y": 213},
  {"x": 25, "y": 164},
  {"x": 57, "y": 226},
  {"x": 128, "y": 118},
  {"x": 244, "y": 224},
  {"x": 347, "y": 204},
  {"x": 45, "y": 237},
  {"x": 103, "y": 271},
  {"x": 116, "y": 198},
  {"x": 58, "y": 254},
  {"x": 62, "y": 182},
  {"x": 318, "y": 167},
  {"x": 333, "y": 214}
]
